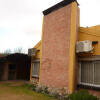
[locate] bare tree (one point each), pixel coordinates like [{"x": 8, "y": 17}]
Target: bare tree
[
  {"x": 19, "y": 50},
  {"x": 8, "y": 51}
]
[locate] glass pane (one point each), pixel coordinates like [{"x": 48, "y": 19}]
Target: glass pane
[
  {"x": 97, "y": 73},
  {"x": 35, "y": 69},
  {"x": 87, "y": 72}
]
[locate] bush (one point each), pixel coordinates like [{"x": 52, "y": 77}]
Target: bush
[
  {"x": 63, "y": 94},
  {"x": 82, "y": 95},
  {"x": 54, "y": 92},
  {"x": 45, "y": 89},
  {"x": 31, "y": 86},
  {"x": 42, "y": 89},
  {"x": 39, "y": 89}
]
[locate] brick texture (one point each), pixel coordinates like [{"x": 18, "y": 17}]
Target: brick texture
[
  {"x": 55, "y": 48},
  {"x": 95, "y": 93}
]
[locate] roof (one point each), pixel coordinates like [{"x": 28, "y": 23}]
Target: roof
[
  {"x": 38, "y": 45},
  {"x": 3, "y": 55},
  {"x": 94, "y": 30},
  {"x": 16, "y": 57},
  {"x": 57, "y": 6}
]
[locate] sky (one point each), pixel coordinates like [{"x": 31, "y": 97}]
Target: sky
[{"x": 21, "y": 21}]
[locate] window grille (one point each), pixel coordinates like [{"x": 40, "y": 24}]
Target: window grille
[{"x": 90, "y": 73}]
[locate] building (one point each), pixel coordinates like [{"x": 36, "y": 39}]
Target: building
[
  {"x": 60, "y": 64},
  {"x": 35, "y": 63},
  {"x": 15, "y": 67}
]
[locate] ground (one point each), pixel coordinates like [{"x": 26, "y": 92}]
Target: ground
[{"x": 20, "y": 91}]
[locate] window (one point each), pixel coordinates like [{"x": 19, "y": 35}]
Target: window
[
  {"x": 90, "y": 73},
  {"x": 35, "y": 69}
]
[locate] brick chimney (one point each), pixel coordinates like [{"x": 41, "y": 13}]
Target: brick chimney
[{"x": 60, "y": 32}]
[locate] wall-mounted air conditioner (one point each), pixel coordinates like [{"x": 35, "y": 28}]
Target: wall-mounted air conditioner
[
  {"x": 84, "y": 46},
  {"x": 32, "y": 52}
]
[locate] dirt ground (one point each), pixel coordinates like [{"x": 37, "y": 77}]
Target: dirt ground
[{"x": 16, "y": 90}]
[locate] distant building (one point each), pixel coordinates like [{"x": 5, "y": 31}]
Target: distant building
[{"x": 15, "y": 67}]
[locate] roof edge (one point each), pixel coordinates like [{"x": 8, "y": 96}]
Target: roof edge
[{"x": 58, "y": 6}]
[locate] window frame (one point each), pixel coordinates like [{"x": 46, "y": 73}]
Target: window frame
[
  {"x": 35, "y": 61},
  {"x": 80, "y": 75}
]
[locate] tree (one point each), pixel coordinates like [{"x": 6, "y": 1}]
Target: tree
[
  {"x": 8, "y": 51},
  {"x": 19, "y": 50}
]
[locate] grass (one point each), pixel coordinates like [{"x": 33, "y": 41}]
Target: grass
[{"x": 20, "y": 91}]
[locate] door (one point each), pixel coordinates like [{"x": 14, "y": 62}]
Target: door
[{"x": 11, "y": 72}]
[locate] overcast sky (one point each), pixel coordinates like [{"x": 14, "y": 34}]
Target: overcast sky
[{"x": 21, "y": 20}]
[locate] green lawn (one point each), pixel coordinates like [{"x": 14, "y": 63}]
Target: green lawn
[{"x": 20, "y": 91}]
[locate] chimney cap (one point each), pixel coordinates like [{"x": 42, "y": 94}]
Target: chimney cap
[{"x": 58, "y": 5}]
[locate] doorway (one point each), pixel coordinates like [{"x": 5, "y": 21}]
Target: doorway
[{"x": 11, "y": 72}]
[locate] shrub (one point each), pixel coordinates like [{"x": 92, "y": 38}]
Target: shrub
[
  {"x": 30, "y": 86},
  {"x": 33, "y": 87},
  {"x": 82, "y": 95},
  {"x": 63, "y": 94},
  {"x": 45, "y": 89},
  {"x": 39, "y": 89},
  {"x": 54, "y": 92}
]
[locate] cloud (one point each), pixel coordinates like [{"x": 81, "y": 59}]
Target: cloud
[
  {"x": 21, "y": 20},
  {"x": 16, "y": 39}
]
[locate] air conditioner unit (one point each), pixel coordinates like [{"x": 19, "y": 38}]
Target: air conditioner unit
[
  {"x": 32, "y": 52},
  {"x": 84, "y": 46}
]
